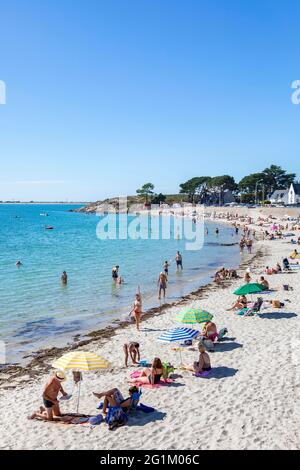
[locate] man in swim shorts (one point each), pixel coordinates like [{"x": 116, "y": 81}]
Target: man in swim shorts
[
  {"x": 162, "y": 284},
  {"x": 178, "y": 260}
]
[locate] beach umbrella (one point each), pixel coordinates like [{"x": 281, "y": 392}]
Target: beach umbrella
[
  {"x": 193, "y": 316},
  {"x": 177, "y": 335},
  {"x": 251, "y": 288},
  {"x": 80, "y": 361}
]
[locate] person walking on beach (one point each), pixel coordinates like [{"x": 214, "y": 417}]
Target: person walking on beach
[
  {"x": 162, "y": 284},
  {"x": 64, "y": 278},
  {"x": 178, "y": 260},
  {"x": 137, "y": 308},
  {"x": 53, "y": 387}
]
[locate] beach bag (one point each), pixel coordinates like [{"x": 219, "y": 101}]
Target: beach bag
[
  {"x": 222, "y": 333},
  {"x": 276, "y": 304},
  {"x": 96, "y": 420},
  {"x": 116, "y": 417},
  {"x": 167, "y": 370}
]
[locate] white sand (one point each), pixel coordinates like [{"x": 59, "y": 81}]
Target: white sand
[{"x": 250, "y": 402}]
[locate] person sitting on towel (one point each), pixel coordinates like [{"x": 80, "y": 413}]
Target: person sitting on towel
[
  {"x": 202, "y": 365},
  {"x": 150, "y": 376}
]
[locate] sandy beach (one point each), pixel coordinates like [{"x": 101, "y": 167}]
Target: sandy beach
[{"x": 250, "y": 401}]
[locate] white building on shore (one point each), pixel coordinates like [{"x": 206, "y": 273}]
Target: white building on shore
[{"x": 287, "y": 197}]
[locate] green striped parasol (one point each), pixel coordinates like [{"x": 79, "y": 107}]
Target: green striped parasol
[{"x": 192, "y": 316}]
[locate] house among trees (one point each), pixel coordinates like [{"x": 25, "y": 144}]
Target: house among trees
[{"x": 287, "y": 197}]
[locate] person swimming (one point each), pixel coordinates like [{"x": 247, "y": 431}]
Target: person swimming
[{"x": 19, "y": 263}]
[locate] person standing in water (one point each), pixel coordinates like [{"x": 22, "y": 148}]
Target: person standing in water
[
  {"x": 178, "y": 260},
  {"x": 19, "y": 264},
  {"x": 64, "y": 278},
  {"x": 217, "y": 231},
  {"x": 166, "y": 268},
  {"x": 115, "y": 272},
  {"x": 162, "y": 284}
]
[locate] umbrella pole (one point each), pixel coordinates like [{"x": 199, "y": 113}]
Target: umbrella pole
[
  {"x": 78, "y": 397},
  {"x": 180, "y": 355}
]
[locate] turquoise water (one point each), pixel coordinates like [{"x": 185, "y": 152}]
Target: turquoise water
[{"x": 37, "y": 311}]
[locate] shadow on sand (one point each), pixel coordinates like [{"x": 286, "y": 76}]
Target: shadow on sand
[
  {"x": 140, "y": 419},
  {"x": 221, "y": 373},
  {"x": 277, "y": 315},
  {"x": 225, "y": 347}
]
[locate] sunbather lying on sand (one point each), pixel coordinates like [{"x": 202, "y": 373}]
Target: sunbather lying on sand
[
  {"x": 202, "y": 365},
  {"x": 114, "y": 397},
  {"x": 241, "y": 303},
  {"x": 150, "y": 376}
]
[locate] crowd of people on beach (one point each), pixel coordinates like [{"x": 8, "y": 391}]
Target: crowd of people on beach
[{"x": 152, "y": 373}]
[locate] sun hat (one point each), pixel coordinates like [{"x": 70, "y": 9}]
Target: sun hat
[{"x": 60, "y": 375}]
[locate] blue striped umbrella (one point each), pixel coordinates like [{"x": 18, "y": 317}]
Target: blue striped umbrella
[{"x": 177, "y": 335}]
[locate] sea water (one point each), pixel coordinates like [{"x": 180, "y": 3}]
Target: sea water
[{"x": 37, "y": 311}]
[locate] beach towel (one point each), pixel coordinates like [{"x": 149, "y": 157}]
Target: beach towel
[
  {"x": 163, "y": 382},
  {"x": 70, "y": 419},
  {"x": 205, "y": 373}
]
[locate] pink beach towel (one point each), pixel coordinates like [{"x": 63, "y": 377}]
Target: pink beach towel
[
  {"x": 203, "y": 374},
  {"x": 136, "y": 374}
]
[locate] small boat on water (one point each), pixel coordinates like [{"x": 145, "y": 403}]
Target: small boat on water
[
  {"x": 44, "y": 214},
  {"x": 49, "y": 227}
]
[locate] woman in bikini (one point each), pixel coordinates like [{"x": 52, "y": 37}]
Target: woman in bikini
[
  {"x": 241, "y": 303},
  {"x": 137, "y": 308},
  {"x": 150, "y": 376}
]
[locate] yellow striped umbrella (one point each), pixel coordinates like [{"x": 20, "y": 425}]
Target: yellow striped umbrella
[{"x": 81, "y": 361}]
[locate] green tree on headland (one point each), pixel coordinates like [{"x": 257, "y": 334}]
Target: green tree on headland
[
  {"x": 277, "y": 178},
  {"x": 146, "y": 191},
  {"x": 196, "y": 188}
]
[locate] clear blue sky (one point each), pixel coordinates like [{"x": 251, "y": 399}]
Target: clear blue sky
[{"x": 103, "y": 96}]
